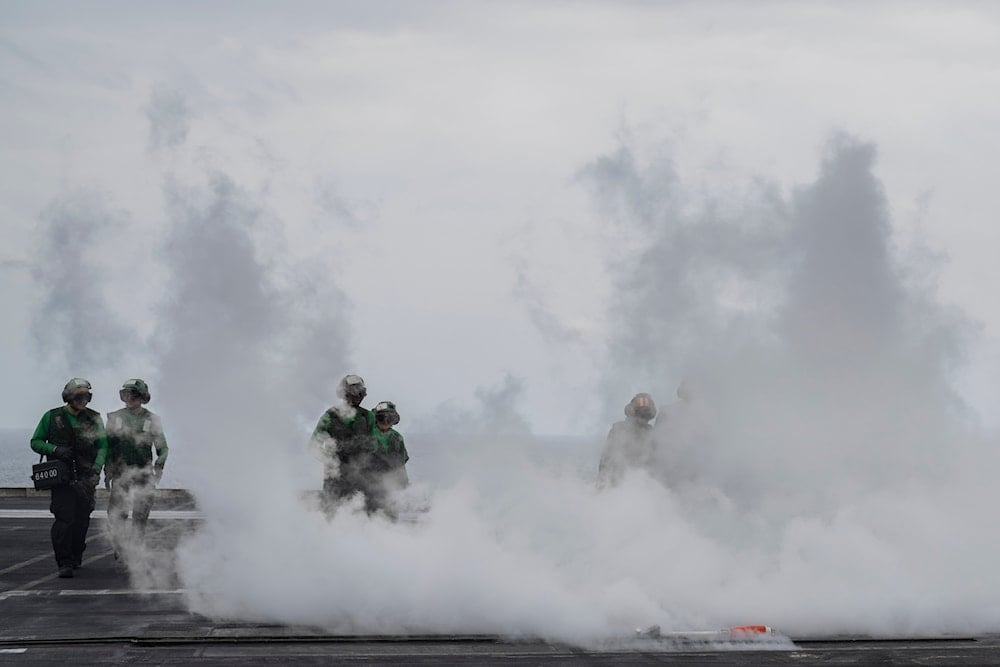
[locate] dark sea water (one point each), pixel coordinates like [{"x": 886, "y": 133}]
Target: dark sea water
[
  {"x": 430, "y": 457},
  {"x": 16, "y": 457}
]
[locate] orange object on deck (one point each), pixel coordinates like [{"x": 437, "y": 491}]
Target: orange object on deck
[{"x": 750, "y": 629}]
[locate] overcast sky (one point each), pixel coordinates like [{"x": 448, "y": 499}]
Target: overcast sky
[{"x": 414, "y": 191}]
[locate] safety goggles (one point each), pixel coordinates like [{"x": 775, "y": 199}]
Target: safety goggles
[{"x": 87, "y": 397}]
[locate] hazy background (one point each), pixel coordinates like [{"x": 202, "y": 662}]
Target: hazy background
[{"x": 509, "y": 218}]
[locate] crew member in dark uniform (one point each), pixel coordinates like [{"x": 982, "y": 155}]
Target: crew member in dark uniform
[
  {"x": 630, "y": 442},
  {"x": 75, "y": 434},
  {"x": 343, "y": 441},
  {"x": 387, "y": 467},
  {"x": 133, "y": 434}
]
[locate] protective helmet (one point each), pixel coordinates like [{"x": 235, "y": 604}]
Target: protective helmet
[
  {"x": 75, "y": 386},
  {"x": 352, "y": 385},
  {"x": 641, "y": 406},
  {"x": 138, "y": 386},
  {"x": 386, "y": 412}
]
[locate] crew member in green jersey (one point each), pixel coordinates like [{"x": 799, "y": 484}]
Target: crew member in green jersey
[
  {"x": 630, "y": 443},
  {"x": 387, "y": 467},
  {"x": 133, "y": 434},
  {"x": 342, "y": 440},
  {"x": 75, "y": 434}
]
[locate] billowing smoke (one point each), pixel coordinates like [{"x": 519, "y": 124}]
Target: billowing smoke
[
  {"x": 820, "y": 443},
  {"x": 792, "y": 323},
  {"x": 250, "y": 346},
  {"x": 820, "y": 477},
  {"x": 169, "y": 117},
  {"x": 75, "y": 327},
  {"x": 816, "y": 480}
]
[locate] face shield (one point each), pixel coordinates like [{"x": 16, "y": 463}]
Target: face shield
[
  {"x": 356, "y": 391},
  {"x": 641, "y": 407},
  {"x": 81, "y": 397}
]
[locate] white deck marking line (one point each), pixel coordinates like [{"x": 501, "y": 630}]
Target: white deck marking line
[
  {"x": 31, "y": 561},
  {"x": 115, "y": 591},
  {"x": 88, "y": 561},
  {"x": 50, "y": 577},
  {"x": 89, "y": 593},
  {"x": 13, "y": 650},
  {"x": 25, "y": 563},
  {"x": 155, "y": 514}
]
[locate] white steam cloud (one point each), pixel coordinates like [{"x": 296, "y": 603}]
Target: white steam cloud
[
  {"x": 822, "y": 479},
  {"x": 794, "y": 325},
  {"x": 169, "y": 118},
  {"x": 75, "y": 327},
  {"x": 830, "y": 484}
]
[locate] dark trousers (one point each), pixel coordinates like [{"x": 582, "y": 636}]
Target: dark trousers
[
  {"x": 338, "y": 489},
  {"x": 132, "y": 488},
  {"x": 135, "y": 489},
  {"x": 71, "y": 509},
  {"x": 335, "y": 490}
]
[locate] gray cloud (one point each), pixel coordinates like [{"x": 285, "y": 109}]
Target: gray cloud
[
  {"x": 498, "y": 407},
  {"x": 675, "y": 266},
  {"x": 494, "y": 413},
  {"x": 794, "y": 318},
  {"x": 15, "y": 265},
  {"x": 532, "y": 299},
  {"x": 240, "y": 327},
  {"x": 455, "y": 440},
  {"x": 169, "y": 118},
  {"x": 74, "y": 325},
  {"x": 845, "y": 299},
  {"x": 334, "y": 205}
]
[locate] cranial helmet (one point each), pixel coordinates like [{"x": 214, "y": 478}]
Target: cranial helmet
[
  {"x": 352, "y": 385},
  {"x": 75, "y": 386},
  {"x": 138, "y": 386},
  {"x": 386, "y": 412},
  {"x": 641, "y": 406}
]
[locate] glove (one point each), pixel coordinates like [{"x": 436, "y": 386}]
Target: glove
[{"x": 63, "y": 453}]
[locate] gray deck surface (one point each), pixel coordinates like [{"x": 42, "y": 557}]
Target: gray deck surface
[{"x": 95, "y": 618}]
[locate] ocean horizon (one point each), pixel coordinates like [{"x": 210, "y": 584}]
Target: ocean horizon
[{"x": 16, "y": 457}]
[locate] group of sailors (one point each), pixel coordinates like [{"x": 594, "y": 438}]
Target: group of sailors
[
  {"x": 75, "y": 434},
  {"x": 361, "y": 452},
  {"x": 360, "y": 449}
]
